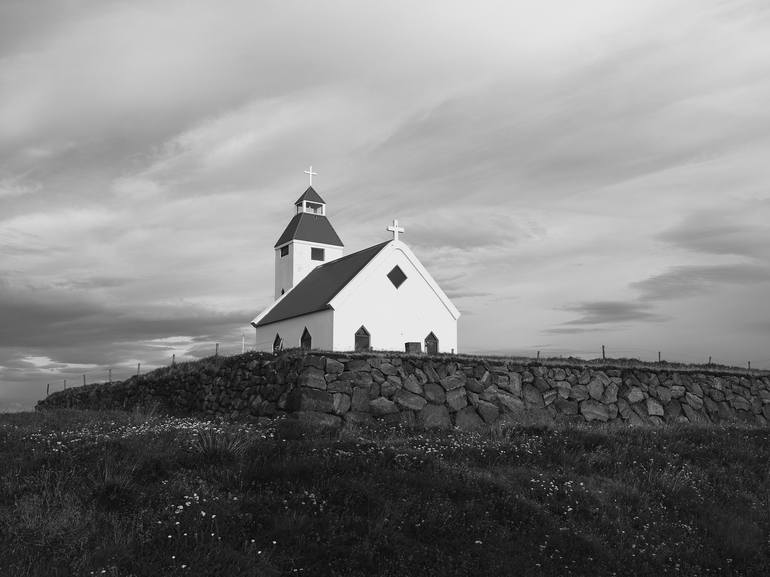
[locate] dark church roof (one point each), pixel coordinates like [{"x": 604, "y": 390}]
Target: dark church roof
[
  {"x": 320, "y": 286},
  {"x": 310, "y": 227},
  {"x": 310, "y": 195}
]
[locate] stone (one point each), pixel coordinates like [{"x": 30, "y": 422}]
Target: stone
[
  {"x": 489, "y": 412},
  {"x": 740, "y": 404},
  {"x": 434, "y": 417},
  {"x": 510, "y": 403},
  {"x": 409, "y": 400},
  {"x": 389, "y": 387},
  {"x": 693, "y": 415},
  {"x": 635, "y": 395},
  {"x": 314, "y": 361},
  {"x": 333, "y": 366},
  {"x": 434, "y": 393},
  {"x": 549, "y": 396},
  {"x": 711, "y": 406},
  {"x": 374, "y": 391},
  {"x": 358, "y": 365},
  {"x": 726, "y": 413},
  {"x": 610, "y": 394},
  {"x": 532, "y": 397},
  {"x": 654, "y": 408},
  {"x": 559, "y": 374},
  {"x": 341, "y": 403},
  {"x": 527, "y": 377},
  {"x": 563, "y": 389},
  {"x": 664, "y": 394},
  {"x": 512, "y": 384},
  {"x": 585, "y": 377},
  {"x": 313, "y": 378},
  {"x": 624, "y": 408},
  {"x": 412, "y": 384},
  {"x": 456, "y": 399},
  {"x": 382, "y": 406},
  {"x": 694, "y": 401},
  {"x": 541, "y": 384},
  {"x": 305, "y": 399},
  {"x": 475, "y": 385},
  {"x": 359, "y": 400},
  {"x": 579, "y": 393},
  {"x": 362, "y": 378},
  {"x": 594, "y": 410},
  {"x": 453, "y": 382},
  {"x": 636, "y": 420},
  {"x": 677, "y": 391},
  {"x": 565, "y": 406},
  {"x": 468, "y": 419},
  {"x": 340, "y": 387},
  {"x": 673, "y": 409},
  {"x": 421, "y": 376},
  {"x": 388, "y": 369}
]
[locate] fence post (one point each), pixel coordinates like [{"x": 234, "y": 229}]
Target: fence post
[
  {"x": 84, "y": 380},
  {"x": 538, "y": 356},
  {"x": 48, "y": 389},
  {"x": 216, "y": 350},
  {"x": 709, "y": 359},
  {"x": 65, "y": 384},
  {"x": 173, "y": 360},
  {"x": 658, "y": 356},
  {"x": 110, "y": 377},
  {"x": 604, "y": 358},
  {"x": 138, "y": 368},
  {"x": 749, "y": 365}
]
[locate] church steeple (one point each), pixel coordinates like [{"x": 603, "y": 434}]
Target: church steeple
[{"x": 309, "y": 240}]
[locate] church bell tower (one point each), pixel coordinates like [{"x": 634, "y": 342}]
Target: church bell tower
[{"x": 308, "y": 241}]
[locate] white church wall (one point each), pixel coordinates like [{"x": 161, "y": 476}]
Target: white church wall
[
  {"x": 393, "y": 316},
  {"x": 319, "y": 325}
]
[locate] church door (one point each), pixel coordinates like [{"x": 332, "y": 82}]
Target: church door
[
  {"x": 305, "y": 341},
  {"x": 362, "y": 339},
  {"x": 431, "y": 344},
  {"x": 277, "y": 343}
]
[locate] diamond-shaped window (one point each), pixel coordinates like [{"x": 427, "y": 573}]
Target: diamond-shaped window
[{"x": 397, "y": 276}]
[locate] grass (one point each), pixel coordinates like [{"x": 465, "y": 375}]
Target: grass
[{"x": 86, "y": 493}]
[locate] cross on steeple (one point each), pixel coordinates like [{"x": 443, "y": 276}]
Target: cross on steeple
[
  {"x": 311, "y": 173},
  {"x": 395, "y": 229}
]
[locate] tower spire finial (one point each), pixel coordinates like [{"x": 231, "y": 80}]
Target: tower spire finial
[
  {"x": 395, "y": 229},
  {"x": 310, "y": 173}
]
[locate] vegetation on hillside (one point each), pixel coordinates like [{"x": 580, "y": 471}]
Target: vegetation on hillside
[{"x": 141, "y": 494}]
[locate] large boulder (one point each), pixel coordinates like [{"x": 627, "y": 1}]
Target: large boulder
[
  {"x": 489, "y": 412},
  {"x": 434, "y": 393},
  {"x": 456, "y": 399},
  {"x": 594, "y": 410},
  {"x": 453, "y": 382},
  {"x": 312, "y": 377},
  {"x": 533, "y": 398},
  {"x": 381, "y": 406},
  {"x": 434, "y": 417},
  {"x": 304, "y": 399},
  {"x": 409, "y": 400}
]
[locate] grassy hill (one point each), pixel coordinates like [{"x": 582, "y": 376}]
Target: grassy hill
[{"x": 140, "y": 494}]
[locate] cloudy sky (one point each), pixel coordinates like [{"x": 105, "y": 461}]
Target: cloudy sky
[{"x": 572, "y": 173}]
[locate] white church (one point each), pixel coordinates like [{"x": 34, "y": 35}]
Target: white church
[{"x": 378, "y": 298}]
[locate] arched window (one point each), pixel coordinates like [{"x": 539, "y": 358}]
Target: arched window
[
  {"x": 431, "y": 344},
  {"x": 362, "y": 339},
  {"x": 277, "y": 343},
  {"x": 305, "y": 341}
]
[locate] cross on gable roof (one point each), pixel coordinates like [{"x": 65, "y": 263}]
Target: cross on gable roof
[
  {"x": 320, "y": 286},
  {"x": 310, "y": 195}
]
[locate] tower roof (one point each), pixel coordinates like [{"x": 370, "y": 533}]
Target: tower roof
[
  {"x": 310, "y": 227},
  {"x": 320, "y": 286},
  {"x": 310, "y": 195}
]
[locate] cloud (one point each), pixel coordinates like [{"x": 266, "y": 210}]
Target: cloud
[
  {"x": 742, "y": 231},
  {"x": 611, "y": 312},
  {"x": 689, "y": 280}
]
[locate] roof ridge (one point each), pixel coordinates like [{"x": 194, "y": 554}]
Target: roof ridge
[{"x": 336, "y": 260}]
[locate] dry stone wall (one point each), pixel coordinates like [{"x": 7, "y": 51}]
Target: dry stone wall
[{"x": 432, "y": 392}]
